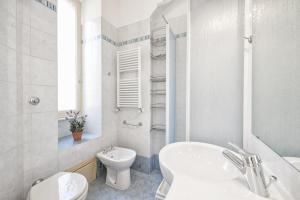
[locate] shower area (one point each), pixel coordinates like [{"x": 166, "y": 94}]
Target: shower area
[{"x": 27, "y": 71}]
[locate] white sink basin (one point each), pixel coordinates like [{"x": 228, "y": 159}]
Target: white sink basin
[
  {"x": 199, "y": 160},
  {"x": 199, "y": 171},
  {"x": 294, "y": 161}
]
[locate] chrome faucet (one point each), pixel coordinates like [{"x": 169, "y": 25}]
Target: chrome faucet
[
  {"x": 108, "y": 149},
  {"x": 250, "y": 165}
]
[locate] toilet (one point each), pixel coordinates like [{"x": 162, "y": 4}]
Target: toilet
[
  {"x": 118, "y": 162},
  {"x": 61, "y": 186}
]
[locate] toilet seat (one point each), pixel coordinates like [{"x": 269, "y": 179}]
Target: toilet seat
[{"x": 61, "y": 186}]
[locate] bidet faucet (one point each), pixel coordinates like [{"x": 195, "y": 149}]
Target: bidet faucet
[
  {"x": 108, "y": 149},
  {"x": 250, "y": 165}
]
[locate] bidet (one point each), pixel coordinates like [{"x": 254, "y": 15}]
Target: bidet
[{"x": 118, "y": 162}]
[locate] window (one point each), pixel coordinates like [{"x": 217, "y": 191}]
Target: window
[{"x": 68, "y": 35}]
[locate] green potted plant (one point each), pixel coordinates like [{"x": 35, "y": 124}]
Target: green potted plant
[{"x": 77, "y": 124}]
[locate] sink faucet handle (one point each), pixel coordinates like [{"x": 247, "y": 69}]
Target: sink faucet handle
[{"x": 238, "y": 150}]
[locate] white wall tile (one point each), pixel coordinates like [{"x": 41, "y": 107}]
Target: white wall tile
[
  {"x": 43, "y": 45},
  {"x": 26, "y": 69},
  {"x": 27, "y": 183},
  {"x": 8, "y": 30},
  {"x": 134, "y": 30},
  {"x": 178, "y": 24},
  {"x": 108, "y": 29},
  {"x": 138, "y": 138},
  {"x": 8, "y": 64},
  {"x": 43, "y": 151},
  {"x": 47, "y": 95},
  {"x": 216, "y": 72},
  {"x": 26, "y": 128},
  {"x": 23, "y": 12},
  {"x": 8, "y": 6},
  {"x": 27, "y": 158},
  {"x": 29, "y": 148},
  {"x": 25, "y": 39},
  {"x": 42, "y": 18},
  {"x": 68, "y": 158},
  {"x": 48, "y": 120},
  {"x": 38, "y": 71},
  {"x": 8, "y": 99},
  {"x": 11, "y": 134},
  {"x": 10, "y": 166},
  {"x": 46, "y": 169}
]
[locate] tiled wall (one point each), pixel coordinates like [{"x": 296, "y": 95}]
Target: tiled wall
[
  {"x": 216, "y": 72},
  {"x": 28, "y": 68},
  {"x": 137, "y": 138},
  {"x": 11, "y": 140},
  {"x": 132, "y": 35},
  {"x": 39, "y": 79},
  {"x": 114, "y": 39},
  {"x": 109, "y": 117}
]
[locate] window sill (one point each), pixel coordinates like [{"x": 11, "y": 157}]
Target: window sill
[{"x": 68, "y": 142}]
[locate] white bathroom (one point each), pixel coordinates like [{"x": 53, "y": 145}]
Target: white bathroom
[{"x": 150, "y": 99}]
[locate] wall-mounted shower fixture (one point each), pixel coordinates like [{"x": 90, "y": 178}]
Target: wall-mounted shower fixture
[{"x": 34, "y": 101}]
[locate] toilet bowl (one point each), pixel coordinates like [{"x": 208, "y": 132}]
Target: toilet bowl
[
  {"x": 118, "y": 162},
  {"x": 61, "y": 186}
]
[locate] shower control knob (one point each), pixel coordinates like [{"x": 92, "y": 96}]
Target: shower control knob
[{"x": 34, "y": 101}]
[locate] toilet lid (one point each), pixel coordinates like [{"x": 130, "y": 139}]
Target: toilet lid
[{"x": 61, "y": 186}]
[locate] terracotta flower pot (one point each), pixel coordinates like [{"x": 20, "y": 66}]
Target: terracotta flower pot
[{"x": 77, "y": 136}]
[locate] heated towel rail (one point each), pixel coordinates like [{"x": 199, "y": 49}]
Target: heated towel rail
[{"x": 129, "y": 79}]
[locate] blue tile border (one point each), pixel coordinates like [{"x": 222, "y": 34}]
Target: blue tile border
[
  {"x": 126, "y": 42},
  {"x": 134, "y": 40},
  {"x": 109, "y": 40},
  {"x": 117, "y": 44},
  {"x": 48, "y": 4},
  {"x": 155, "y": 162}
]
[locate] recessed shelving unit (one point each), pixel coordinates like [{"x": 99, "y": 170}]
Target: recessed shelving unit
[
  {"x": 158, "y": 105},
  {"x": 158, "y": 92},
  {"x": 158, "y": 56},
  {"x": 163, "y": 70},
  {"x": 158, "y": 78},
  {"x": 158, "y": 127}
]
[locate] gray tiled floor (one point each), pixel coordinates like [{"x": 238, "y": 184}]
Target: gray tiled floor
[{"x": 143, "y": 187}]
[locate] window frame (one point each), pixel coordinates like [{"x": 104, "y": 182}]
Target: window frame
[{"x": 78, "y": 61}]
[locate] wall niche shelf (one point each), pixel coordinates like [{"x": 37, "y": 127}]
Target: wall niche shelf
[
  {"x": 158, "y": 78},
  {"x": 158, "y": 127}
]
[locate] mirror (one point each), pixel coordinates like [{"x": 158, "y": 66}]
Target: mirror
[{"x": 276, "y": 76}]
